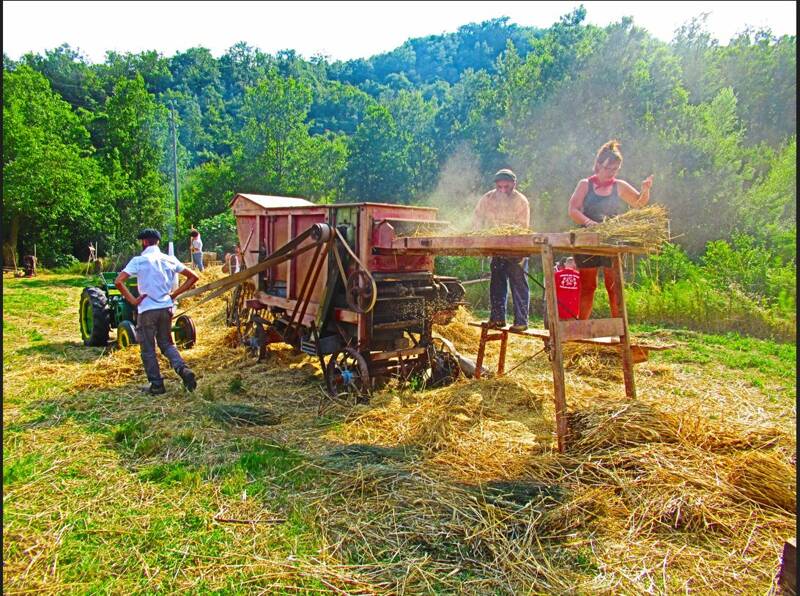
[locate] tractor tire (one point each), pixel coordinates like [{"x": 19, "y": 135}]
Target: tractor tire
[
  {"x": 94, "y": 317},
  {"x": 126, "y": 335},
  {"x": 183, "y": 332}
]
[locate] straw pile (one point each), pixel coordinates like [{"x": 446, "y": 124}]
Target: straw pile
[
  {"x": 647, "y": 227},
  {"x": 502, "y": 230}
]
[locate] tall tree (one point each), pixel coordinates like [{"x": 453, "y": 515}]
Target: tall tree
[
  {"x": 378, "y": 168},
  {"x": 134, "y": 155},
  {"x": 50, "y": 182}
]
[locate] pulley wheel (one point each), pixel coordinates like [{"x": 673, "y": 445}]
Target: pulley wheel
[{"x": 361, "y": 291}]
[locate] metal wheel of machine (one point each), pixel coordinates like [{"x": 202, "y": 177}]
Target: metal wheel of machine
[
  {"x": 361, "y": 291},
  {"x": 253, "y": 332},
  {"x": 240, "y": 317},
  {"x": 126, "y": 335},
  {"x": 444, "y": 365},
  {"x": 183, "y": 332},
  {"x": 94, "y": 317},
  {"x": 347, "y": 375}
]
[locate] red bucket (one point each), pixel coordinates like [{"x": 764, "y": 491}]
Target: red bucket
[{"x": 568, "y": 293}]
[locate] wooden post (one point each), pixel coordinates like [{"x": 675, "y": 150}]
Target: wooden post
[
  {"x": 481, "y": 351},
  {"x": 556, "y": 355},
  {"x": 501, "y": 365},
  {"x": 625, "y": 339},
  {"x": 787, "y": 574}
]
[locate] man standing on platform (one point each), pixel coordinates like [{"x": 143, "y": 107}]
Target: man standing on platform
[{"x": 505, "y": 205}]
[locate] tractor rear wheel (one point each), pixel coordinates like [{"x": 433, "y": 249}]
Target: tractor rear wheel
[
  {"x": 184, "y": 332},
  {"x": 94, "y": 316},
  {"x": 126, "y": 335}
]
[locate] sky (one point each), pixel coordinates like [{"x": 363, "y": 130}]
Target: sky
[{"x": 337, "y": 30}]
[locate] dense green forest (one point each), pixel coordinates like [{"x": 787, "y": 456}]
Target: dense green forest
[{"x": 87, "y": 149}]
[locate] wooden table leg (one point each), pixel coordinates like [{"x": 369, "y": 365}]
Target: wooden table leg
[
  {"x": 481, "y": 350},
  {"x": 556, "y": 354},
  {"x": 625, "y": 340}
]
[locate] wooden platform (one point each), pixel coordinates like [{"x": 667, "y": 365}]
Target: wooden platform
[
  {"x": 520, "y": 245},
  {"x": 639, "y": 351}
]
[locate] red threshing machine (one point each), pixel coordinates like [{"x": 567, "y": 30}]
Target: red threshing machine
[
  {"x": 315, "y": 277},
  {"x": 355, "y": 283}
]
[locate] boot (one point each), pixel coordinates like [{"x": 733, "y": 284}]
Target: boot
[
  {"x": 189, "y": 378},
  {"x": 154, "y": 389}
]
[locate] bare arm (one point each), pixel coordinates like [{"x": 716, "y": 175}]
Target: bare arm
[
  {"x": 527, "y": 215},
  {"x": 478, "y": 221},
  {"x": 633, "y": 197},
  {"x": 191, "y": 279},
  {"x": 576, "y": 204},
  {"x": 119, "y": 282}
]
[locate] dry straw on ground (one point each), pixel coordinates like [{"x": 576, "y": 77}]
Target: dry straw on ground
[{"x": 688, "y": 488}]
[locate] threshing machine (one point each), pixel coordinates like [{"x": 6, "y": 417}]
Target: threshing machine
[{"x": 314, "y": 278}]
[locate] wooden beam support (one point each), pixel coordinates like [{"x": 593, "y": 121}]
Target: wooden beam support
[
  {"x": 625, "y": 338},
  {"x": 556, "y": 353},
  {"x": 481, "y": 352}
]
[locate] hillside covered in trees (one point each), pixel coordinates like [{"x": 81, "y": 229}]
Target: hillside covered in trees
[{"x": 87, "y": 150}]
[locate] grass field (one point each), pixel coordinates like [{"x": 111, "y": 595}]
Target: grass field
[{"x": 106, "y": 490}]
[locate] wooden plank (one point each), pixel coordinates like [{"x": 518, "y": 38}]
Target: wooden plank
[
  {"x": 345, "y": 316},
  {"x": 590, "y": 328},
  {"x": 639, "y": 351},
  {"x": 518, "y": 242},
  {"x": 787, "y": 575},
  {"x": 396, "y": 353},
  {"x": 556, "y": 354},
  {"x": 625, "y": 338}
]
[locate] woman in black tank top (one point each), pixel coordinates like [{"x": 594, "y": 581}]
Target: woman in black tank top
[{"x": 595, "y": 198}]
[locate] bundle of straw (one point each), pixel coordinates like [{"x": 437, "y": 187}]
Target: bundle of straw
[
  {"x": 647, "y": 227},
  {"x": 764, "y": 478},
  {"x": 501, "y": 230}
]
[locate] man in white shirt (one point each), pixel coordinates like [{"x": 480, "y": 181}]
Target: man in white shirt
[
  {"x": 155, "y": 273},
  {"x": 197, "y": 250}
]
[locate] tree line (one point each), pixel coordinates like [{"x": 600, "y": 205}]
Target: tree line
[{"x": 87, "y": 151}]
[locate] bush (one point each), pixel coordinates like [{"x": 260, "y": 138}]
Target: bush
[
  {"x": 740, "y": 287},
  {"x": 64, "y": 263}
]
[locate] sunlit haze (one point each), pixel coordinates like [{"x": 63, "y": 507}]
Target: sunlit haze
[{"x": 337, "y": 30}]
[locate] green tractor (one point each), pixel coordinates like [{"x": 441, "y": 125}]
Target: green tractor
[{"x": 103, "y": 308}]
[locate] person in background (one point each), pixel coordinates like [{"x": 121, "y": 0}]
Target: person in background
[
  {"x": 505, "y": 205},
  {"x": 597, "y": 197},
  {"x": 197, "y": 249},
  {"x": 155, "y": 273},
  {"x": 237, "y": 262}
]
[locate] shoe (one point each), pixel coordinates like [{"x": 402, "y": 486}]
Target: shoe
[
  {"x": 154, "y": 389},
  {"x": 189, "y": 379},
  {"x": 495, "y": 324},
  {"x": 518, "y": 328}
]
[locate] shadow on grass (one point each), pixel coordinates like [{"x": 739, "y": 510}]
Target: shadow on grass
[
  {"x": 74, "y": 281},
  {"x": 65, "y": 351}
]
